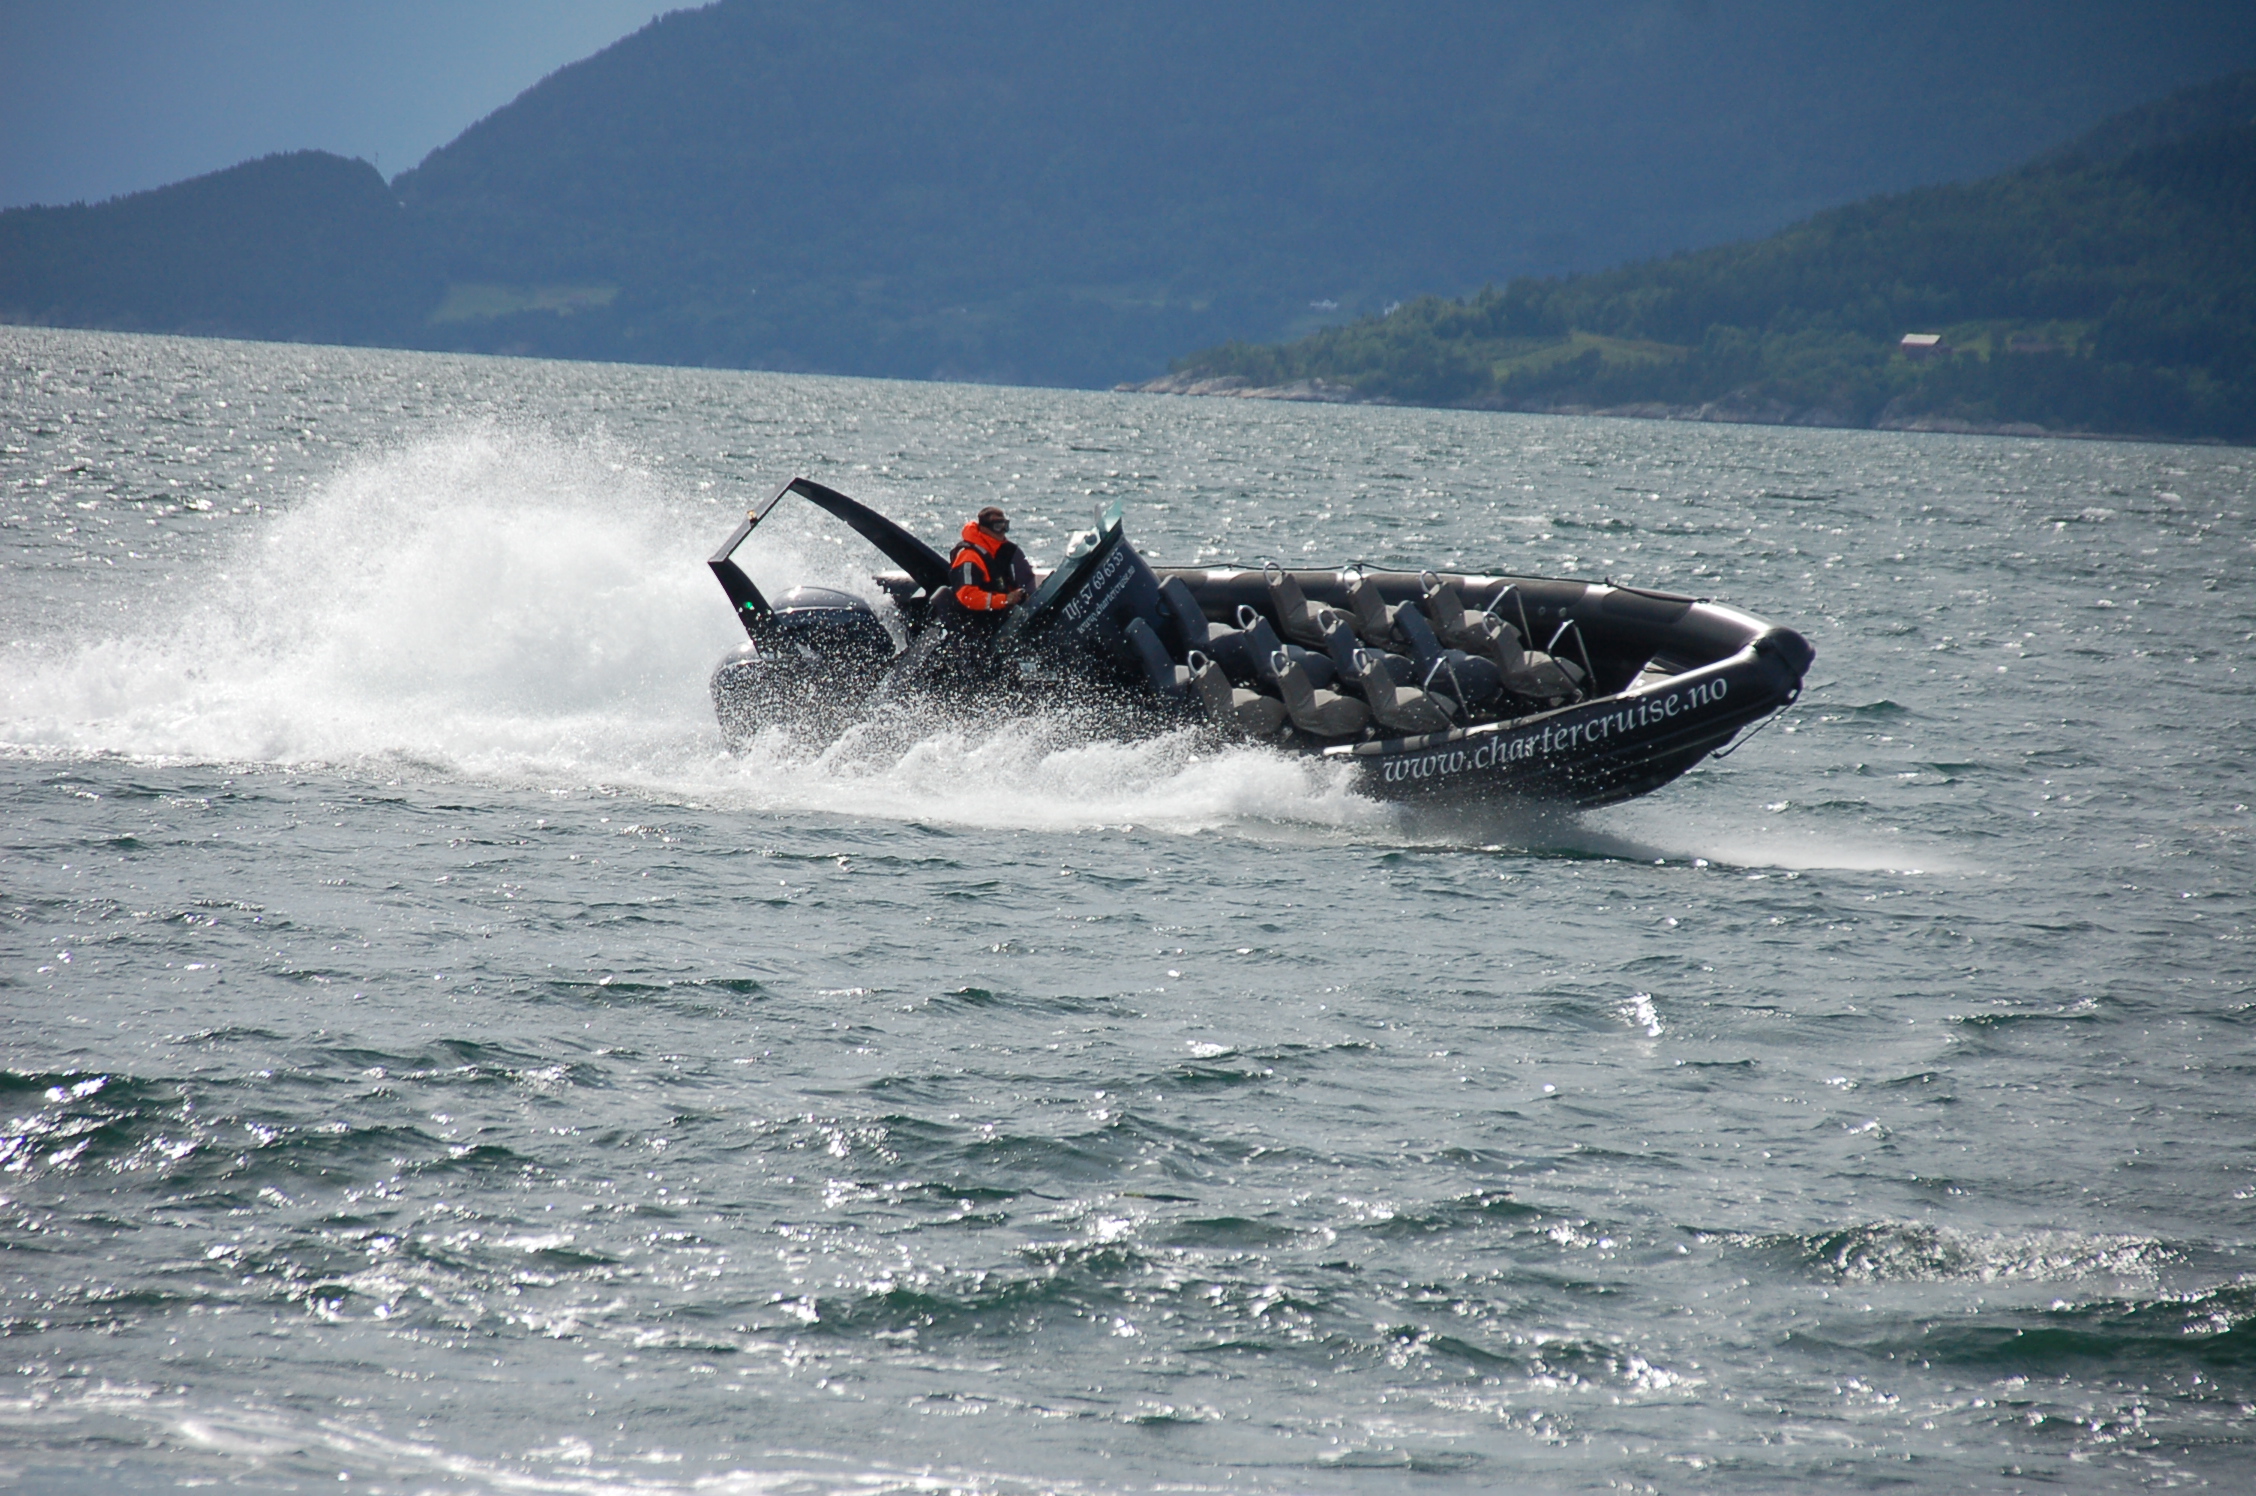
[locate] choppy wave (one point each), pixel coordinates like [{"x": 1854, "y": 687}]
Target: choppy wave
[
  {"x": 157, "y": 1438},
  {"x": 434, "y": 1060},
  {"x": 2063, "y": 1298},
  {"x": 1917, "y": 1252}
]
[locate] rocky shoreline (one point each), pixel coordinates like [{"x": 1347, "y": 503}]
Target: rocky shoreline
[
  {"x": 1238, "y": 387},
  {"x": 1731, "y": 410}
]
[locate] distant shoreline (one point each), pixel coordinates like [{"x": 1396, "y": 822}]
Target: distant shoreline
[{"x": 1724, "y": 412}]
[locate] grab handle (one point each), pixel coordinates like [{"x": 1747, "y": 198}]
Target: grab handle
[{"x": 1589, "y": 672}]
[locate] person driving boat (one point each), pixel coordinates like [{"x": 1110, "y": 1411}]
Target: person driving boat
[{"x": 987, "y": 573}]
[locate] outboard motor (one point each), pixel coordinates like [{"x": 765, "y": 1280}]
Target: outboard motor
[{"x": 808, "y": 664}]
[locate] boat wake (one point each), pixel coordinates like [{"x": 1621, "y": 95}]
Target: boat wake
[
  {"x": 507, "y": 608},
  {"x": 479, "y": 600},
  {"x": 168, "y": 1432}
]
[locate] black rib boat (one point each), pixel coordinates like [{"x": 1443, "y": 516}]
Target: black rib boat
[{"x": 1433, "y": 685}]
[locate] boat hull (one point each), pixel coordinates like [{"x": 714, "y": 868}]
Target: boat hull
[
  {"x": 1644, "y": 685},
  {"x": 1596, "y": 752}
]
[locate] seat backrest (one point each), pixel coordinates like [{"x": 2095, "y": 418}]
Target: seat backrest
[
  {"x": 1504, "y": 615},
  {"x": 1258, "y": 632},
  {"x": 1292, "y": 683},
  {"x": 1212, "y": 686},
  {"x": 1403, "y": 708},
  {"x": 1410, "y": 621},
  {"x": 1504, "y": 643},
  {"x": 1284, "y": 593},
  {"x": 1444, "y": 677},
  {"x": 1372, "y": 615},
  {"x": 1484, "y": 632},
  {"x": 1158, "y": 668},
  {"x": 1339, "y": 643},
  {"x": 1379, "y": 688},
  {"x": 1235, "y": 652},
  {"x": 1443, "y": 604},
  {"x": 1183, "y": 623}
]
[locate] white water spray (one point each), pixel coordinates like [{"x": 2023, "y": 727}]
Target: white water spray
[
  {"x": 480, "y": 601},
  {"x": 504, "y": 607}
]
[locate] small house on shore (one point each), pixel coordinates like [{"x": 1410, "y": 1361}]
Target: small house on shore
[{"x": 1923, "y": 345}]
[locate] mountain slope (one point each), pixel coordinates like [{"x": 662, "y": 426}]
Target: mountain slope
[
  {"x": 1020, "y": 190},
  {"x": 2108, "y": 286},
  {"x": 1070, "y": 194},
  {"x": 302, "y": 247}
]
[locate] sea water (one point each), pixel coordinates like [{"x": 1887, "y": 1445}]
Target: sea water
[{"x": 433, "y": 1064}]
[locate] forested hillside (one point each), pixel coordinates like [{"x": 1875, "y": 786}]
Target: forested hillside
[
  {"x": 1074, "y": 194},
  {"x": 1057, "y": 194},
  {"x": 2109, "y": 286},
  {"x": 306, "y": 247}
]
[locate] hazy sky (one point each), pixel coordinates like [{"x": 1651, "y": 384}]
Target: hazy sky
[{"x": 99, "y": 97}]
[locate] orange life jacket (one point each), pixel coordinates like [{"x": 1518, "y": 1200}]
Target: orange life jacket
[{"x": 974, "y": 567}]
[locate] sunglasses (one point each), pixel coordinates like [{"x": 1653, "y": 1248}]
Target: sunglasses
[{"x": 999, "y": 526}]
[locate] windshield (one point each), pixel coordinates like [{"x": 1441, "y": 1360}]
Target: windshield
[{"x": 1081, "y": 544}]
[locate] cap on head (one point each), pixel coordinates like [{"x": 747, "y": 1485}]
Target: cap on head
[{"x": 990, "y": 513}]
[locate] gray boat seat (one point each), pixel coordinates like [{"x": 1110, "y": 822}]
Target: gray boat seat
[
  {"x": 1320, "y": 714},
  {"x": 1374, "y": 620},
  {"x": 1182, "y": 622},
  {"x": 1475, "y": 633},
  {"x": 1526, "y": 672},
  {"x": 1402, "y": 708},
  {"x": 1472, "y": 679},
  {"x": 1297, "y": 618},
  {"x": 1233, "y": 650},
  {"x": 1166, "y": 677},
  {"x": 1233, "y": 706},
  {"x": 1545, "y": 679},
  {"x": 1261, "y": 642},
  {"x": 1340, "y": 649},
  {"x": 1465, "y": 678}
]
